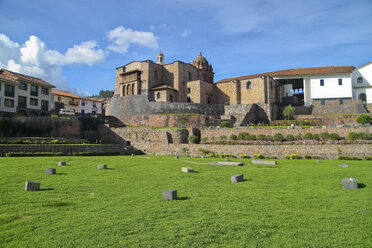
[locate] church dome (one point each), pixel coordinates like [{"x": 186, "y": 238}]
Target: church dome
[{"x": 200, "y": 60}]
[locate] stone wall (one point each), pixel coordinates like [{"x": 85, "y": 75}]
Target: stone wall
[
  {"x": 334, "y": 107},
  {"x": 279, "y": 151},
  {"x": 66, "y": 149}
]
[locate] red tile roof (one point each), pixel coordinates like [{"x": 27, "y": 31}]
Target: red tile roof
[
  {"x": 297, "y": 72},
  {"x": 14, "y": 77}
]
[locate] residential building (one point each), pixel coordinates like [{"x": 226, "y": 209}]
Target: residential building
[{"x": 24, "y": 96}]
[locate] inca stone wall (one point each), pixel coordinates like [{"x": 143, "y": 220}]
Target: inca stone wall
[{"x": 334, "y": 107}]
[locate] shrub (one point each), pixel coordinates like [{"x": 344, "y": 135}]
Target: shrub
[
  {"x": 368, "y": 157},
  {"x": 269, "y": 138},
  {"x": 251, "y": 137},
  {"x": 308, "y": 136},
  {"x": 223, "y": 137},
  {"x": 261, "y": 137},
  {"x": 289, "y": 112},
  {"x": 316, "y": 136},
  {"x": 362, "y": 136},
  {"x": 316, "y": 157},
  {"x": 289, "y": 137},
  {"x": 192, "y": 138},
  {"x": 363, "y": 118},
  {"x": 344, "y": 157},
  {"x": 325, "y": 136},
  {"x": 278, "y": 137},
  {"x": 307, "y": 157},
  {"x": 244, "y": 156},
  {"x": 225, "y": 124},
  {"x": 287, "y": 156},
  {"x": 334, "y": 136},
  {"x": 260, "y": 156},
  {"x": 298, "y": 137},
  {"x": 233, "y": 137},
  {"x": 30, "y": 154},
  {"x": 352, "y": 136},
  {"x": 182, "y": 120},
  {"x": 295, "y": 156},
  {"x": 205, "y": 152}
]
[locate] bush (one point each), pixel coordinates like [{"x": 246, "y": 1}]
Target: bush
[
  {"x": 244, "y": 156},
  {"x": 261, "y": 137},
  {"x": 363, "y": 118},
  {"x": 259, "y": 156},
  {"x": 193, "y": 139},
  {"x": 269, "y": 138},
  {"x": 251, "y": 137},
  {"x": 352, "y": 136},
  {"x": 289, "y": 137},
  {"x": 298, "y": 137},
  {"x": 33, "y": 154},
  {"x": 287, "y": 156},
  {"x": 316, "y": 136},
  {"x": 289, "y": 112},
  {"x": 225, "y": 124},
  {"x": 362, "y": 136},
  {"x": 334, "y": 136},
  {"x": 368, "y": 157},
  {"x": 278, "y": 137},
  {"x": 223, "y": 137},
  {"x": 307, "y": 157},
  {"x": 295, "y": 156},
  {"x": 316, "y": 157},
  {"x": 344, "y": 157},
  {"x": 182, "y": 120},
  {"x": 233, "y": 137},
  {"x": 325, "y": 136},
  {"x": 308, "y": 136}
]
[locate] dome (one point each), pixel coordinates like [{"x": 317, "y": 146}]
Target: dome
[{"x": 200, "y": 60}]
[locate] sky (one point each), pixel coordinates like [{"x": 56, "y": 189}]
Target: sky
[{"x": 77, "y": 44}]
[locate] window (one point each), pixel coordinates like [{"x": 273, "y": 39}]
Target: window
[
  {"x": 22, "y": 86},
  {"x": 271, "y": 85},
  {"x": 9, "y": 103},
  {"x": 189, "y": 76},
  {"x": 341, "y": 101},
  {"x": 33, "y": 101},
  {"x": 322, "y": 101},
  {"x": 158, "y": 95},
  {"x": 188, "y": 99},
  {"x": 44, "y": 105},
  {"x": 45, "y": 91},
  {"x": 188, "y": 90},
  {"x": 82, "y": 112},
  {"x": 22, "y": 101},
  {"x": 321, "y": 82},
  {"x": 248, "y": 85},
  {"x": 170, "y": 98},
  {"x": 82, "y": 102},
  {"x": 340, "y": 81},
  {"x": 360, "y": 80},
  {"x": 94, "y": 104},
  {"x": 59, "y": 98},
  {"x": 9, "y": 90},
  {"x": 34, "y": 90},
  {"x": 209, "y": 100}
]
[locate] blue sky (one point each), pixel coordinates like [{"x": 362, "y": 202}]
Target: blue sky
[{"x": 76, "y": 45}]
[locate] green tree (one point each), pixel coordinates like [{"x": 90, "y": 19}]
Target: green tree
[{"x": 289, "y": 112}]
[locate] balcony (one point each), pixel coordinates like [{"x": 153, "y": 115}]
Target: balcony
[{"x": 73, "y": 103}]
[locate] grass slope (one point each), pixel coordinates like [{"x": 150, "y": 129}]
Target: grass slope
[{"x": 296, "y": 204}]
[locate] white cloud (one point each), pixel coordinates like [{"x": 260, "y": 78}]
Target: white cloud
[
  {"x": 123, "y": 38},
  {"x": 161, "y": 26},
  {"x": 185, "y": 33},
  {"x": 35, "y": 59}
]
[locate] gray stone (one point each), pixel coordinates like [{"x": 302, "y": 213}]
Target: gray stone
[
  {"x": 32, "y": 186},
  {"x": 187, "y": 169},
  {"x": 349, "y": 183},
  {"x": 237, "y": 178},
  {"x": 50, "y": 171},
  {"x": 226, "y": 159},
  {"x": 176, "y": 157},
  {"x": 62, "y": 163},
  {"x": 102, "y": 166},
  {"x": 170, "y": 194},
  {"x": 319, "y": 161},
  {"x": 228, "y": 163},
  {"x": 344, "y": 165},
  {"x": 259, "y": 161}
]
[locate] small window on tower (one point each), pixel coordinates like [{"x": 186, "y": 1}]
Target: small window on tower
[
  {"x": 158, "y": 95},
  {"x": 248, "y": 85},
  {"x": 188, "y": 90}
]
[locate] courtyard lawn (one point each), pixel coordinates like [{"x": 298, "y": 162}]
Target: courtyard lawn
[{"x": 298, "y": 203}]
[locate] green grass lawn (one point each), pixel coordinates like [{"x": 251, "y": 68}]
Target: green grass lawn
[{"x": 298, "y": 203}]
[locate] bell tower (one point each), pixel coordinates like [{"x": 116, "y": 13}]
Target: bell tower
[{"x": 160, "y": 59}]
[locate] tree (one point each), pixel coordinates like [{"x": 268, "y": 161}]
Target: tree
[{"x": 289, "y": 112}]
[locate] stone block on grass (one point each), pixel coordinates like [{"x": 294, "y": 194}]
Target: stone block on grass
[
  {"x": 32, "y": 186},
  {"x": 176, "y": 157},
  {"x": 187, "y": 169},
  {"x": 228, "y": 163},
  {"x": 343, "y": 165},
  {"x": 349, "y": 183},
  {"x": 62, "y": 163},
  {"x": 319, "y": 161},
  {"x": 259, "y": 161},
  {"x": 237, "y": 178},
  {"x": 102, "y": 166},
  {"x": 170, "y": 194},
  {"x": 50, "y": 171}
]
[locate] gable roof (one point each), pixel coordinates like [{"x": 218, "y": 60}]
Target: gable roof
[
  {"x": 16, "y": 77},
  {"x": 64, "y": 93},
  {"x": 297, "y": 72}
]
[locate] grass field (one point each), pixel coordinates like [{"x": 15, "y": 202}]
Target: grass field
[{"x": 298, "y": 203}]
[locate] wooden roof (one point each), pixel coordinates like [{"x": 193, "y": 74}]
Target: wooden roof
[{"x": 16, "y": 77}]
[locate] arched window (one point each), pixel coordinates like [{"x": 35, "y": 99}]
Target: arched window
[
  {"x": 188, "y": 99},
  {"x": 123, "y": 89},
  {"x": 209, "y": 100},
  {"x": 248, "y": 85},
  {"x": 296, "y": 91},
  {"x": 132, "y": 89},
  {"x": 158, "y": 95},
  {"x": 129, "y": 89},
  {"x": 190, "y": 76},
  {"x": 170, "y": 98},
  {"x": 359, "y": 80},
  {"x": 362, "y": 97}
]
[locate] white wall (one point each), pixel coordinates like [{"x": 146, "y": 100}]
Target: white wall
[
  {"x": 365, "y": 72},
  {"x": 331, "y": 89},
  {"x": 88, "y": 108}
]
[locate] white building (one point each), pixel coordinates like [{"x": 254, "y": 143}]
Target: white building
[
  {"x": 22, "y": 95},
  {"x": 90, "y": 106},
  {"x": 362, "y": 83}
]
